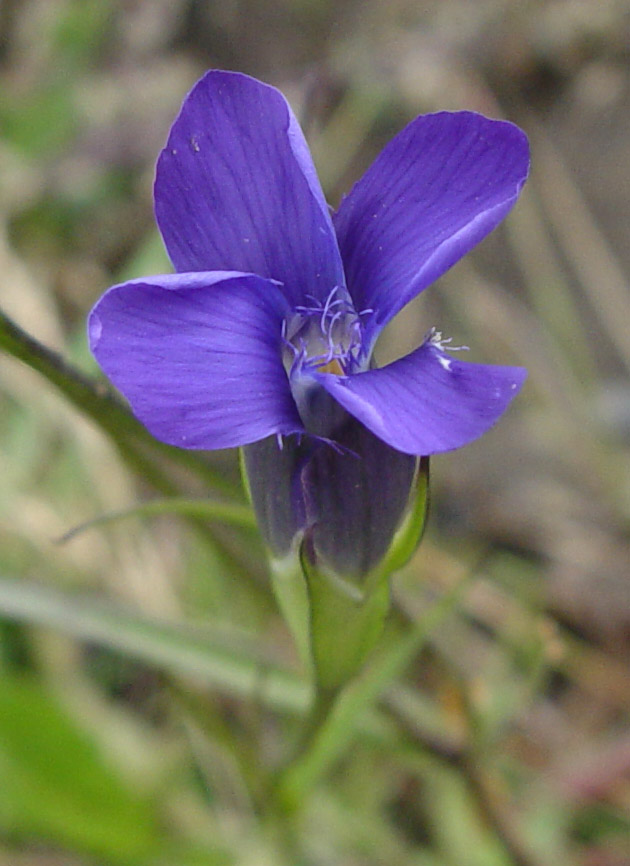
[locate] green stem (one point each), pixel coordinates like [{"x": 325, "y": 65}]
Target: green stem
[
  {"x": 97, "y": 401},
  {"x": 286, "y": 797},
  {"x": 337, "y": 716}
]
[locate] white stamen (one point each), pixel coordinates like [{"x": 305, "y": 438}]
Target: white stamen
[
  {"x": 323, "y": 332},
  {"x": 435, "y": 338}
]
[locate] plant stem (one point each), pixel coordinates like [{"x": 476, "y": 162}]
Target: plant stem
[
  {"x": 286, "y": 795},
  {"x": 97, "y": 401}
]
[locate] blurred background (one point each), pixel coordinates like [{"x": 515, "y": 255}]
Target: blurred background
[{"x": 505, "y": 739}]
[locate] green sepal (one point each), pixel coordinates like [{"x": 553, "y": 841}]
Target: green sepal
[
  {"x": 409, "y": 534},
  {"x": 346, "y": 619},
  {"x": 289, "y": 585},
  {"x": 345, "y": 622},
  {"x": 291, "y": 592},
  {"x": 337, "y": 620}
]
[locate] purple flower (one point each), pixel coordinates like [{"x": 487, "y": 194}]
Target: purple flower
[{"x": 267, "y": 328}]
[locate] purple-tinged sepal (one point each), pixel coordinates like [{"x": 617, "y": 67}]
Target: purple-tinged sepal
[
  {"x": 350, "y": 494},
  {"x": 355, "y": 494},
  {"x": 353, "y": 512},
  {"x": 345, "y": 619}
]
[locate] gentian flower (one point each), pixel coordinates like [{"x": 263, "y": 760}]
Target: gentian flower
[{"x": 264, "y": 336}]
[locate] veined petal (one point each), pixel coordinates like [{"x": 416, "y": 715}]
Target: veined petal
[
  {"x": 436, "y": 190},
  {"x": 236, "y": 189},
  {"x": 428, "y": 401},
  {"x": 198, "y": 356}
]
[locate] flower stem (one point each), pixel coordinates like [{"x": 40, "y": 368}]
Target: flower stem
[{"x": 286, "y": 795}]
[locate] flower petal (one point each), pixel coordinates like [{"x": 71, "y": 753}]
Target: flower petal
[
  {"x": 427, "y": 402},
  {"x": 236, "y": 189},
  {"x": 197, "y": 356},
  {"x": 437, "y": 189}
]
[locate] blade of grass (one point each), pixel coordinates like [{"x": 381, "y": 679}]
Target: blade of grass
[
  {"x": 203, "y": 509},
  {"x": 222, "y": 660},
  {"x": 582, "y": 241}
]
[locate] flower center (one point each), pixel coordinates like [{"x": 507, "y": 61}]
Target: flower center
[{"x": 324, "y": 336}]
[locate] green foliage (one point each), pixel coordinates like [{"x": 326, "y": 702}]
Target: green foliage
[{"x": 57, "y": 787}]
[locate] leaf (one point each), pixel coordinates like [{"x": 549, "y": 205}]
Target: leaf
[
  {"x": 56, "y": 786},
  {"x": 223, "y": 658}
]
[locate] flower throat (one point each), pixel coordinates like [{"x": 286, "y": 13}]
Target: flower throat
[{"x": 324, "y": 336}]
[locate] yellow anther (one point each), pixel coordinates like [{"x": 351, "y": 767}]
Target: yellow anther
[{"x": 332, "y": 367}]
